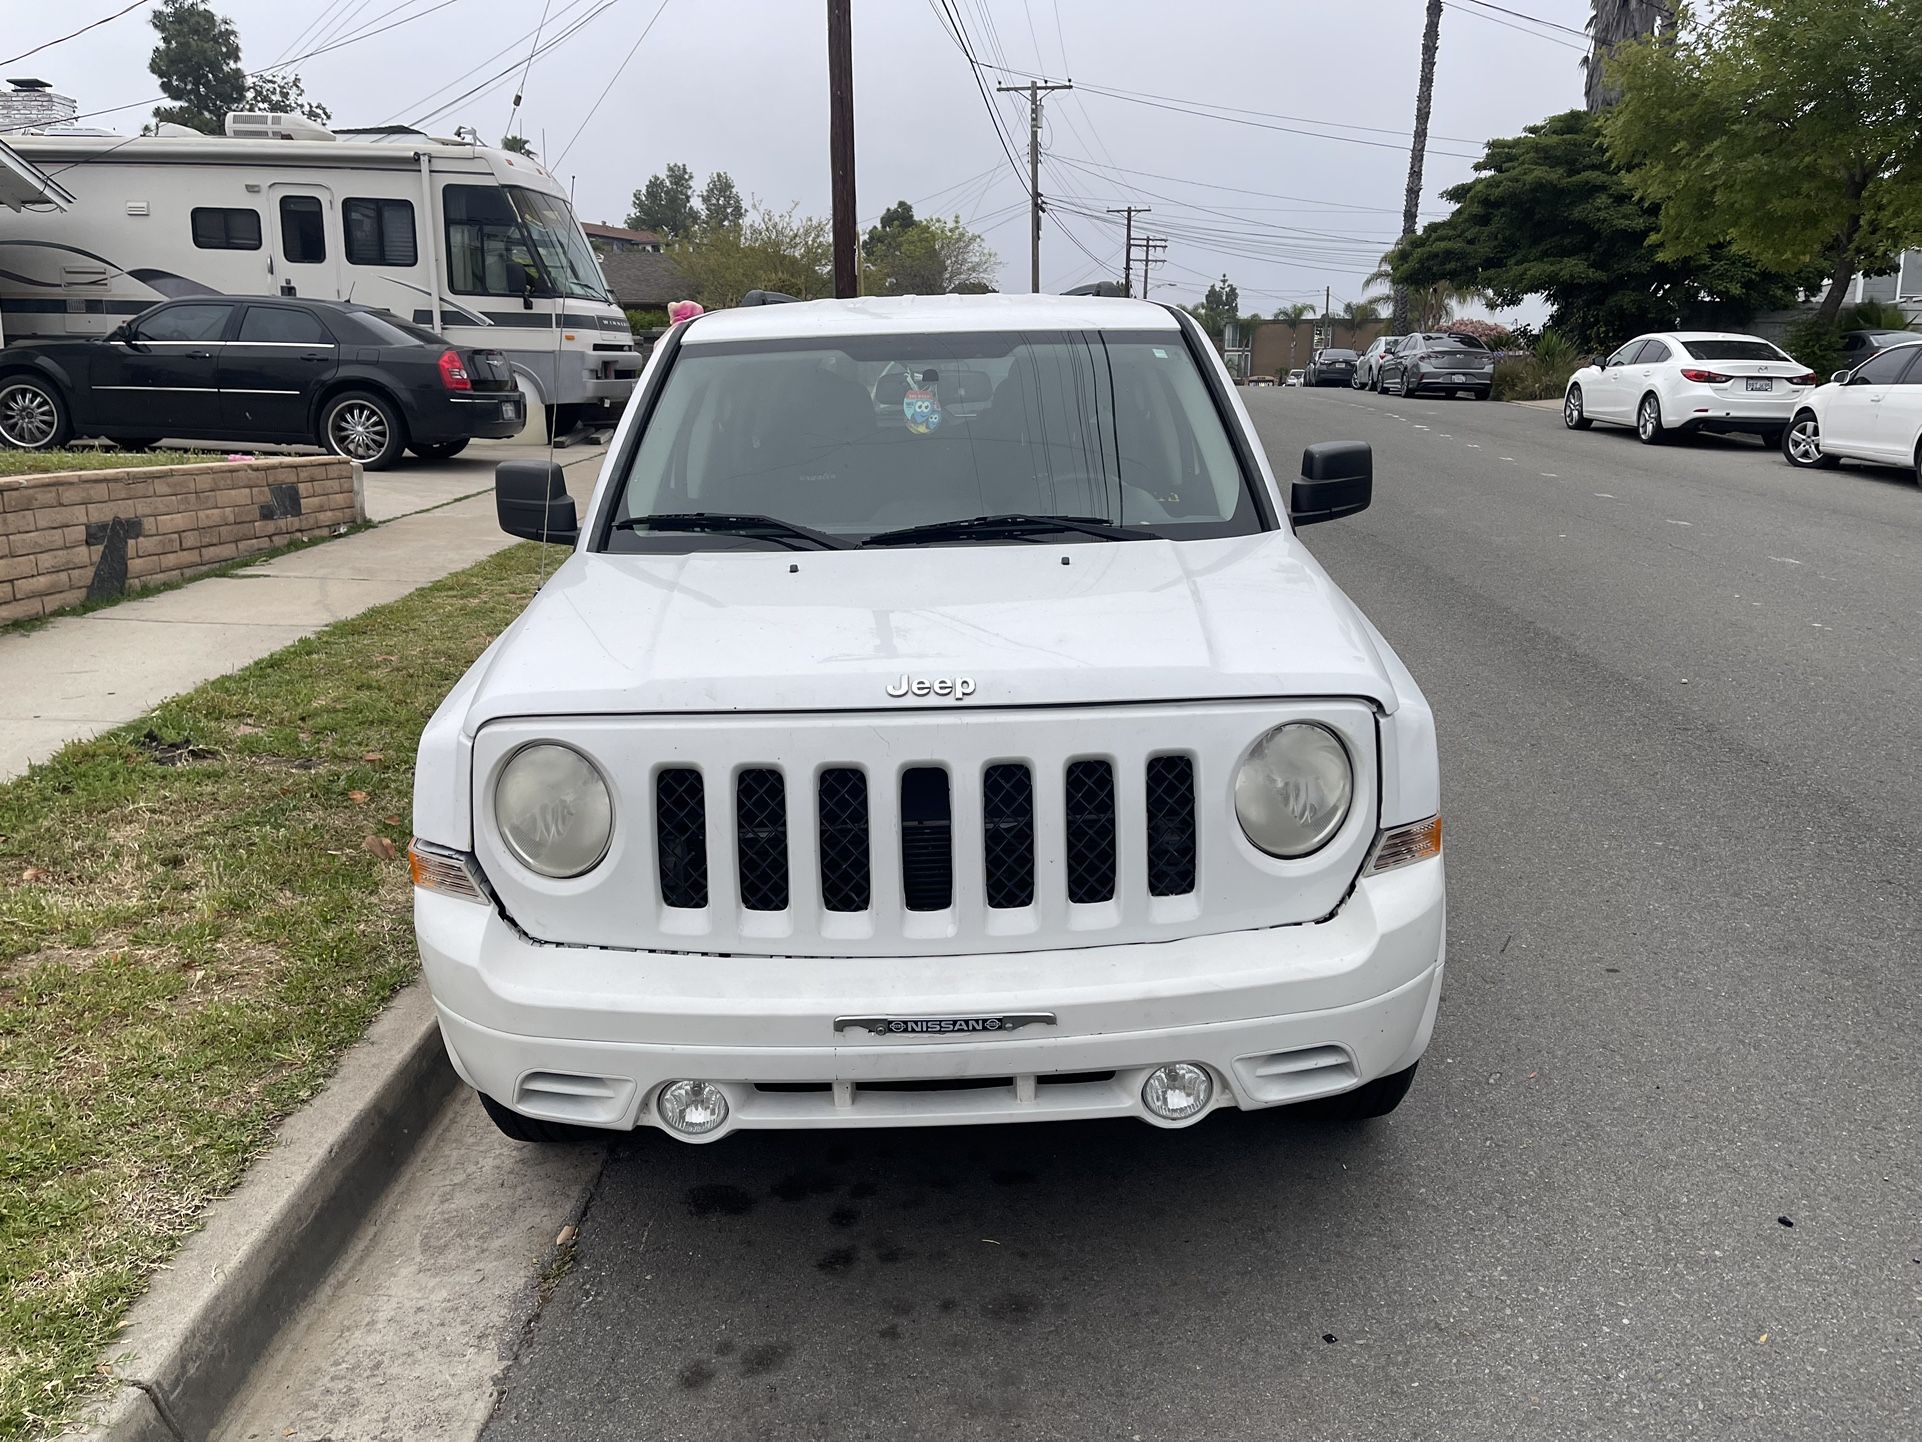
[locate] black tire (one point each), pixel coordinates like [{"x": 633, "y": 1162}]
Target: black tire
[
  {"x": 1802, "y": 444},
  {"x": 440, "y": 450},
  {"x": 34, "y": 416},
  {"x": 1401, "y": 385},
  {"x": 1648, "y": 421},
  {"x": 135, "y": 443},
  {"x": 1371, "y": 1099},
  {"x": 532, "y": 1129},
  {"x": 1573, "y": 415},
  {"x": 364, "y": 427}
]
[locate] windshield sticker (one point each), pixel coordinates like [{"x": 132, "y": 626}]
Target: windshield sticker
[
  {"x": 923, "y": 412},
  {"x": 1160, "y": 354}
]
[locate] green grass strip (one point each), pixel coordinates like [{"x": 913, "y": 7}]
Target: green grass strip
[{"x": 198, "y": 913}]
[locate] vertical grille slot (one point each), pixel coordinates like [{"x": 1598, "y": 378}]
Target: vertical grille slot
[
  {"x": 1171, "y": 825},
  {"x": 927, "y": 839},
  {"x": 680, "y": 833},
  {"x": 1091, "y": 831},
  {"x": 842, "y": 804},
  {"x": 760, "y": 827},
  {"x": 1007, "y": 835}
]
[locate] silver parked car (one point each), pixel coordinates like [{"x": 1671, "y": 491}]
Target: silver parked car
[{"x": 1368, "y": 368}]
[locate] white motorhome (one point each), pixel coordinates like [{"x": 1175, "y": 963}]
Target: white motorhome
[{"x": 480, "y": 244}]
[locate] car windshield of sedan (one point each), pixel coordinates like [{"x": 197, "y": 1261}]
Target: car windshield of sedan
[
  {"x": 859, "y": 435},
  {"x": 1726, "y": 350}
]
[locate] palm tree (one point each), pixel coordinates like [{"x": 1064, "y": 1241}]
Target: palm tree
[
  {"x": 1355, "y": 314},
  {"x": 1292, "y": 315},
  {"x": 1612, "y": 23},
  {"x": 1424, "y": 98}
]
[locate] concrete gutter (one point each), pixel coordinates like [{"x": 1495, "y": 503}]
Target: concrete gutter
[{"x": 192, "y": 1341}]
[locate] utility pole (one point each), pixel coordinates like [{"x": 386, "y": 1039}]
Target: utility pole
[
  {"x": 1424, "y": 98},
  {"x": 847, "y": 275},
  {"x": 1149, "y": 244},
  {"x": 1035, "y": 90},
  {"x": 1128, "y": 249}
]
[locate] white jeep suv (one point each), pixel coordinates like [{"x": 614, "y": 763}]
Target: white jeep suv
[{"x": 884, "y": 755}]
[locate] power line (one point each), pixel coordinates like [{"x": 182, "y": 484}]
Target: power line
[
  {"x": 610, "y": 83},
  {"x": 94, "y": 25},
  {"x": 495, "y": 80},
  {"x": 1520, "y": 29},
  {"x": 1532, "y": 19},
  {"x": 475, "y": 69}
]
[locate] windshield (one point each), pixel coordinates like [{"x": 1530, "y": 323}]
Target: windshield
[
  {"x": 1756, "y": 350},
  {"x": 501, "y": 238},
  {"x": 854, "y": 436},
  {"x": 564, "y": 252}
]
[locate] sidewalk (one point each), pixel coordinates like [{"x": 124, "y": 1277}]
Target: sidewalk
[{"x": 81, "y": 675}]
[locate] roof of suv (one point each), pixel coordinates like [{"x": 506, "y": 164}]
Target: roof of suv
[{"x": 879, "y": 315}]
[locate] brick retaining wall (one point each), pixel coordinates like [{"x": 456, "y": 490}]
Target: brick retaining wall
[{"x": 84, "y": 535}]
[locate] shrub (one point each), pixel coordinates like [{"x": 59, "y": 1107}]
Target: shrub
[
  {"x": 1815, "y": 345},
  {"x": 640, "y": 320},
  {"x": 1540, "y": 375}
]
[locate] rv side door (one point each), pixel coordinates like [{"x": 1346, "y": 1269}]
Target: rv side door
[{"x": 306, "y": 228}]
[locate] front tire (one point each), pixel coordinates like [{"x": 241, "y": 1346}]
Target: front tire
[
  {"x": 1573, "y": 416},
  {"x": 532, "y": 1129},
  {"x": 440, "y": 450},
  {"x": 1648, "y": 421},
  {"x": 363, "y": 427},
  {"x": 1802, "y": 444},
  {"x": 33, "y": 415},
  {"x": 1371, "y": 1099}
]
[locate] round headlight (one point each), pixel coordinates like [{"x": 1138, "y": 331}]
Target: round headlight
[
  {"x": 553, "y": 810},
  {"x": 1294, "y": 789}
]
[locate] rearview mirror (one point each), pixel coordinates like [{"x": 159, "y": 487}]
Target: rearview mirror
[
  {"x": 531, "y": 501},
  {"x": 962, "y": 388},
  {"x": 1337, "y": 479},
  {"x": 891, "y": 390}
]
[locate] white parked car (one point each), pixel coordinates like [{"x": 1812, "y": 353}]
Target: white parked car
[
  {"x": 1295, "y": 376},
  {"x": 1872, "y": 413},
  {"x": 1368, "y": 368},
  {"x": 863, "y": 771},
  {"x": 1689, "y": 381}
]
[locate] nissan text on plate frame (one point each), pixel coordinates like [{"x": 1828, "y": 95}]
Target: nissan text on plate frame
[{"x": 937, "y": 720}]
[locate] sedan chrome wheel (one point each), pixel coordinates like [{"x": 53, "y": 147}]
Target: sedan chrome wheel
[
  {"x": 29, "y": 416},
  {"x": 359, "y": 431},
  {"x": 1802, "y": 443}
]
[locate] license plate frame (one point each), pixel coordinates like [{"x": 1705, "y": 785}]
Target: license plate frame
[{"x": 1760, "y": 384}]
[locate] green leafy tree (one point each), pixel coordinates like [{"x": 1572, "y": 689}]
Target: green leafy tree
[
  {"x": 1790, "y": 131},
  {"x": 517, "y": 143},
  {"x": 285, "y": 95},
  {"x": 721, "y": 205},
  {"x": 1549, "y": 214},
  {"x": 769, "y": 250},
  {"x": 197, "y": 62},
  {"x": 1220, "y": 304},
  {"x": 665, "y": 205},
  {"x": 895, "y": 220},
  {"x": 926, "y": 257}
]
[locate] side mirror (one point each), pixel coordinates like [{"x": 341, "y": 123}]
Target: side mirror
[
  {"x": 1337, "y": 479},
  {"x": 523, "y": 276},
  {"x": 1841, "y": 378},
  {"x": 531, "y": 501}
]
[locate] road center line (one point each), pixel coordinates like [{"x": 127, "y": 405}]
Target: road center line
[{"x": 1673, "y": 522}]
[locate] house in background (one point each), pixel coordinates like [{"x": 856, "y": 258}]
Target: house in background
[
  {"x": 643, "y": 279},
  {"x": 616, "y": 240}
]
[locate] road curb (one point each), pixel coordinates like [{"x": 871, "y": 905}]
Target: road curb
[{"x": 190, "y": 1343}]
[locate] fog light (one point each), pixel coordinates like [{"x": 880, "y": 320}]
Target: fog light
[
  {"x": 693, "y": 1108},
  {"x": 1177, "y": 1091}
]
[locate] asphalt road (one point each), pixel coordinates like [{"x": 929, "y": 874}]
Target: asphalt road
[{"x": 1661, "y": 1174}]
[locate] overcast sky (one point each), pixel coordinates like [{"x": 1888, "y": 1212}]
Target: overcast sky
[{"x": 741, "y": 86}]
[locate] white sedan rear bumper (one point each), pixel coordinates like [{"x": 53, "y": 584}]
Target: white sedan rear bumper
[
  {"x": 589, "y": 1035},
  {"x": 1693, "y": 407}
]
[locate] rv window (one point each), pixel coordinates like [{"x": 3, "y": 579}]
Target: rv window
[
  {"x": 276, "y": 325},
  {"x": 379, "y": 232},
  {"x": 488, "y": 252},
  {"x": 303, "y": 238},
  {"x": 196, "y": 322},
  {"x": 216, "y": 229}
]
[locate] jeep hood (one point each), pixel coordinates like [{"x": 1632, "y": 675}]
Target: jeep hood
[{"x": 1029, "y": 624}]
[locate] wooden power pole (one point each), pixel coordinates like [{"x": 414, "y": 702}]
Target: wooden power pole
[
  {"x": 1128, "y": 246},
  {"x": 1034, "y": 91},
  {"x": 847, "y": 273}
]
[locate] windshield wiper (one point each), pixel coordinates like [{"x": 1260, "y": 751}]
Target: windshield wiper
[
  {"x": 770, "y": 528},
  {"x": 1015, "y": 524}
]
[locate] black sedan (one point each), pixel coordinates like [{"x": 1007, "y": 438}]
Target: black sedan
[
  {"x": 348, "y": 378},
  {"x": 1450, "y": 363},
  {"x": 1332, "y": 367}
]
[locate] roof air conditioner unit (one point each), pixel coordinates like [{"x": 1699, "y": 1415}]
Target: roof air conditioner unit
[{"x": 270, "y": 125}]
